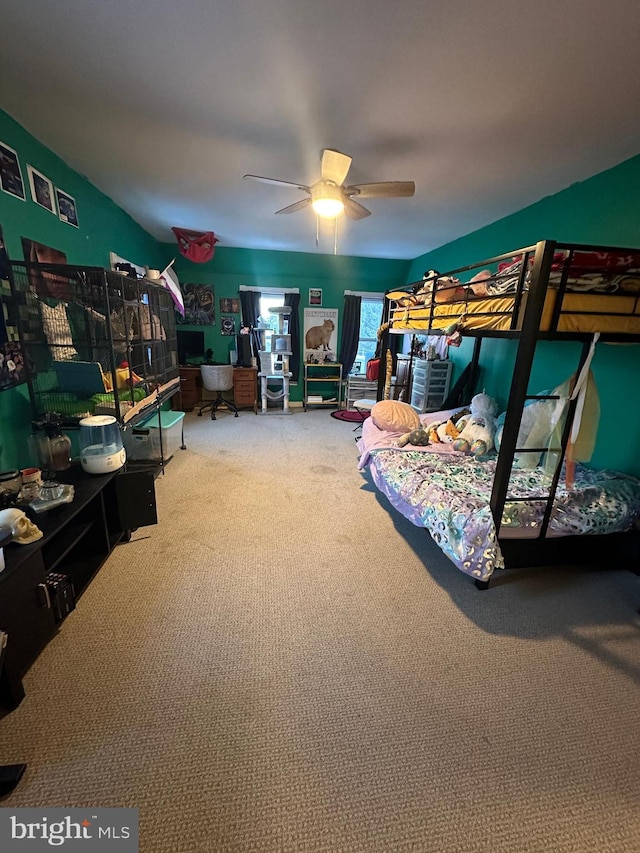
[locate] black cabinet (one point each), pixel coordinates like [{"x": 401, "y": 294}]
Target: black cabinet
[{"x": 78, "y": 538}]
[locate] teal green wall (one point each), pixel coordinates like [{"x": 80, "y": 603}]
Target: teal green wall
[
  {"x": 604, "y": 210},
  {"x": 103, "y": 227},
  {"x": 334, "y": 274}
]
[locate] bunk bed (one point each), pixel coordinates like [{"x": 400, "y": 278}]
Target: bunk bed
[
  {"x": 94, "y": 341},
  {"x": 490, "y": 512}
]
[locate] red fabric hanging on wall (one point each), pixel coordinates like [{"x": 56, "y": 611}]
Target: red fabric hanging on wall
[{"x": 197, "y": 246}]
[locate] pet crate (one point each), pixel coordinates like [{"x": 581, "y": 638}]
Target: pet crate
[{"x": 94, "y": 341}]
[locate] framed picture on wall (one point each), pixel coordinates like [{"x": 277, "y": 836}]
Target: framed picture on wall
[
  {"x": 67, "y": 210},
  {"x": 41, "y": 189},
  {"x": 199, "y": 305},
  {"x": 228, "y": 325},
  {"x": 315, "y": 296},
  {"x": 229, "y": 306},
  {"x": 10, "y": 174}
]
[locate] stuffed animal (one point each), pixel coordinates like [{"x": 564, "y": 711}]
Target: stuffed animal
[
  {"x": 446, "y": 432},
  {"x": 476, "y": 436},
  {"x": 418, "y": 437}
]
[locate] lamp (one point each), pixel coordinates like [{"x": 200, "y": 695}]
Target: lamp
[{"x": 326, "y": 200}]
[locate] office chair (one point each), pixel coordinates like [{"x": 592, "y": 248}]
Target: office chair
[{"x": 218, "y": 378}]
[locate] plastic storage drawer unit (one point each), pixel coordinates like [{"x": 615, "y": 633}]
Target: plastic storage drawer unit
[{"x": 142, "y": 442}]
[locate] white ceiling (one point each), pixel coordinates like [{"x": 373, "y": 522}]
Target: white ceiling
[{"x": 488, "y": 105}]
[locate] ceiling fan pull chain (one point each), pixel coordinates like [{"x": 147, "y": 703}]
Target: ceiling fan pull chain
[
  {"x": 335, "y": 236},
  {"x": 317, "y": 230}
]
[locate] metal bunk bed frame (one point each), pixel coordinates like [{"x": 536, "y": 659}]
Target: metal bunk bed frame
[{"x": 541, "y": 549}]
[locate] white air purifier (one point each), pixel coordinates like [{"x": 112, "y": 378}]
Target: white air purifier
[{"x": 101, "y": 448}]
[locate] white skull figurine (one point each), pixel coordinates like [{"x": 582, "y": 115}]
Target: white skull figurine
[{"x": 22, "y": 528}]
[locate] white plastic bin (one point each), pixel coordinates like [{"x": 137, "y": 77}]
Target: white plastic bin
[{"x": 142, "y": 442}]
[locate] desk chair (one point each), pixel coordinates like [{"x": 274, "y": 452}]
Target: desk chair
[{"x": 218, "y": 378}]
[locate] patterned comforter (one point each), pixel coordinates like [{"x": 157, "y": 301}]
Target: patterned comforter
[{"x": 449, "y": 493}]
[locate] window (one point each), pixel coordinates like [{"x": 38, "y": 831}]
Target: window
[
  {"x": 370, "y": 319},
  {"x": 266, "y": 318}
]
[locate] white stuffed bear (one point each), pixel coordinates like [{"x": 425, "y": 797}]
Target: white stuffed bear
[{"x": 476, "y": 436}]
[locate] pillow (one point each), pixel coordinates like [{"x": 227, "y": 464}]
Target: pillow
[{"x": 394, "y": 416}]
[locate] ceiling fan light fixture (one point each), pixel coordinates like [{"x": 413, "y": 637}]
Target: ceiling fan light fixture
[{"x": 326, "y": 200}]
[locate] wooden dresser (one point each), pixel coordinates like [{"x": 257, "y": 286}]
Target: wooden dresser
[{"x": 245, "y": 388}]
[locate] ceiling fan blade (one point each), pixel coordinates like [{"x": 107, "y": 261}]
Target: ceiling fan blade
[
  {"x": 384, "y": 189},
  {"x": 298, "y": 205},
  {"x": 354, "y": 210},
  {"x": 278, "y": 182},
  {"x": 335, "y": 166}
]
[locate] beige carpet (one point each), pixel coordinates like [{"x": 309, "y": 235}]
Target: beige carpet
[{"x": 284, "y": 665}]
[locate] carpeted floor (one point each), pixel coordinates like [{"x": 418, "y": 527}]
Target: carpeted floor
[{"x": 284, "y": 665}]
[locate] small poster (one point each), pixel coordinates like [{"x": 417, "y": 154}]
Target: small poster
[
  {"x": 229, "y": 306},
  {"x": 67, "y": 208},
  {"x": 315, "y": 296},
  {"x": 199, "y": 305},
  {"x": 10, "y": 173},
  {"x": 41, "y": 189},
  {"x": 228, "y": 325},
  {"x": 320, "y": 335}
]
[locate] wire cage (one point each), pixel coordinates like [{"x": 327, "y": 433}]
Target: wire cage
[{"x": 94, "y": 341}]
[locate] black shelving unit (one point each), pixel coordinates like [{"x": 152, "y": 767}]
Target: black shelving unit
[{"x": 78, "y": 538}]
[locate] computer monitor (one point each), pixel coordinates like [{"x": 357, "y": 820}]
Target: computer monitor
[{"x": 190, "y": 346}]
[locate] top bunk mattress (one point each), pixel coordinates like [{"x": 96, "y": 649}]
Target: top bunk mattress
[
  {"x": 586, "y": 290},
  {"x": 580, "y": 312}
]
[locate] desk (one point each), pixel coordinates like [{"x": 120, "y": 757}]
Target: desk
[
  {"x": 190, "y": 392},
  {"x": 245, "y": 388}
]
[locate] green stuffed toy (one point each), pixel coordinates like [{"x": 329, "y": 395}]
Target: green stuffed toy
[{"x": 418, "y": 437}]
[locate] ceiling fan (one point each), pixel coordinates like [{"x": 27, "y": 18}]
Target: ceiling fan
[{"x": 329, "y": 197}]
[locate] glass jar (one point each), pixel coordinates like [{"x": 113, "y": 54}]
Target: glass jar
[{"x": 54, "y": 448}]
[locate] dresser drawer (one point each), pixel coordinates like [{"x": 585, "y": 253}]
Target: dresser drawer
[{"x": 245, "y": 386}]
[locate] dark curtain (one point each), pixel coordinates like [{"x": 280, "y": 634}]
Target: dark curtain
[
  {"x": 350, "y": 333},
  {"x": 293, "y": 300},
  {"x": 250, "y": 304}
]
